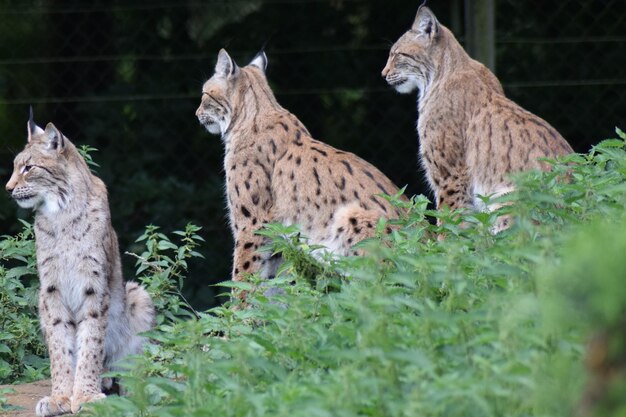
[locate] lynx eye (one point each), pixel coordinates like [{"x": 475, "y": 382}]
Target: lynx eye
[
  {"x": 26, "y": 168},
  {"x": 405, "y": 55}
]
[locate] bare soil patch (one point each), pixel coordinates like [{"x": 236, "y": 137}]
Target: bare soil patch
[{"x": 25, "y": 397}]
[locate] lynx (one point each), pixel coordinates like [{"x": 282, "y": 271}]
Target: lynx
[
  {"x": 89, "y": 317},
  {"x": 276, "y": 172},
  {"x": 471, "y": 135}
]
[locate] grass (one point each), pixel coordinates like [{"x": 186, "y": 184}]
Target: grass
[{"x": 471, "y": 325}]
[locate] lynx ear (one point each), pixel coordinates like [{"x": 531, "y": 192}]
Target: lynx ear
[
  {"x": 54, "y": 138},
  {"x": 260, "y": 61},
  {"x": 425, "y": 24},
  {"x": 31, "y": 127},
  {"x": 225, "y": 66}
]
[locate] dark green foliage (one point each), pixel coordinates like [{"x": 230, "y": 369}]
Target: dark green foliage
[{"x": 21, "y": 346}]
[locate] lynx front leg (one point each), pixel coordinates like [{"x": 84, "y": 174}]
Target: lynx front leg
[
  {"x": 454, "y": 195},
  {"x": 250, "y": 204},
  {"x": 59, "y": 331},
  {"x": 246, "y": 258},
  {"x": 444, "y": 160},
  {"x": 90, "y": 337}
]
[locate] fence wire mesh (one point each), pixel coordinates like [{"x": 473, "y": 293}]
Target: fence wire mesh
[{"x": 124, "y": 77}]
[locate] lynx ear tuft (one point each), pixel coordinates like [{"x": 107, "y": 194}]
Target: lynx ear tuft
[
  {"x": 225, "y": 65},
  {"x": 425, "y": 24},
  {"x": 54, "y": 138},
  {"x": 260, "y": 61},
  {"x": 31, "y": 127}
]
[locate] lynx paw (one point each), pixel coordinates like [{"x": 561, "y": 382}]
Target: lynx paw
[
  {"x": 107, "y": 383},
  {"x": 79, "y": 400},
  {"x": 53, "y": 406},
  {"x": 111, "y": 386},
  {"x": 501, "y": 224}
]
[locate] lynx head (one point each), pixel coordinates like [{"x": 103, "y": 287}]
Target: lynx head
[
  {"x": 39, "y": 171},
  {"x": 411, "y": 59},
  {"x": 222, "y": 94}
]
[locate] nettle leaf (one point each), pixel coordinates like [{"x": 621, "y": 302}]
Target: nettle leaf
[
  {"x": 5, "y": 369},
  {"x": 18, "y": 272},
  {"x": 166, "y": 244},
  {"x": 236, "y": 284},
  {"x": 610, "y": 143}
]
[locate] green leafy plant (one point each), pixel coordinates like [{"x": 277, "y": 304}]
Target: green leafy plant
[
  {"x": 86, "y": 152},
  {"x": 161, "y": 268},
  {"x": 22, "y": 351},
  {"x": 4, "y": 402}
]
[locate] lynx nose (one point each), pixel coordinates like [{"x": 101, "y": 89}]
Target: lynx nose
[
  {"x": 385, "y": 71},
  {"x": 11, "y": 184}
]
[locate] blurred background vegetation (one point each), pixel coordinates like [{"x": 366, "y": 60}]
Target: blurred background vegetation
[{"x": 125, "y": 76}]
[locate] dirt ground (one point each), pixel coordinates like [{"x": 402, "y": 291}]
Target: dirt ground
[{"x": 25, "y": 397}]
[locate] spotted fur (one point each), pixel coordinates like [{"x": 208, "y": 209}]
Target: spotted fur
[
  {"x": 471, "y": 136},
  {"x": 89, "y": 317},
  {"x": 276, "y": 172}
]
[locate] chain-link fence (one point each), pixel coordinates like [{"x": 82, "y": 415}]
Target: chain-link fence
[{"x": 125, "y": 77}]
